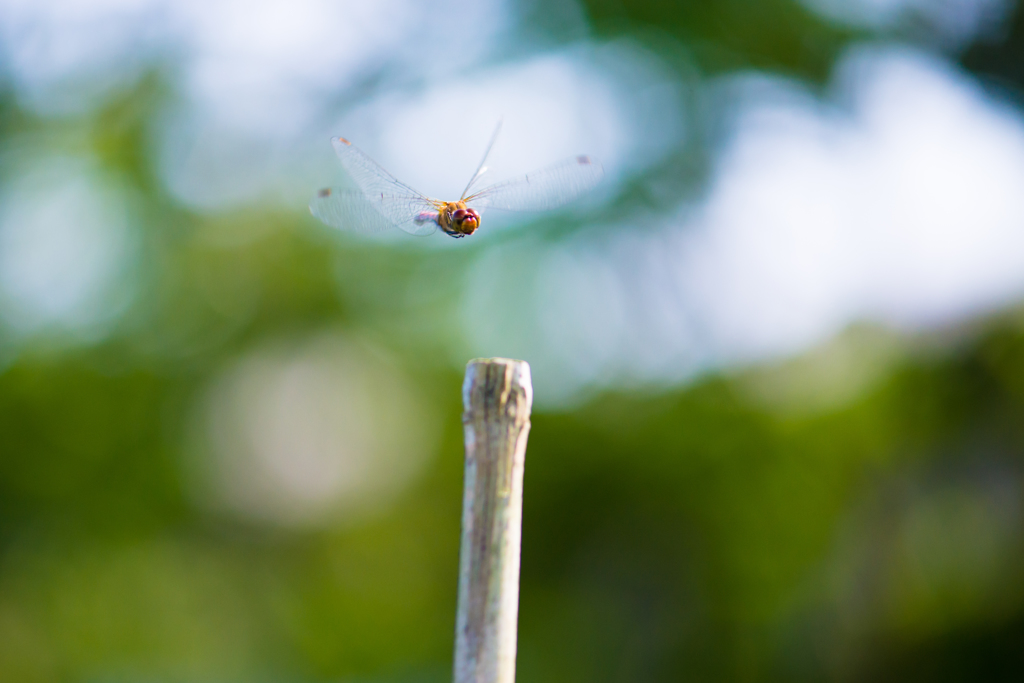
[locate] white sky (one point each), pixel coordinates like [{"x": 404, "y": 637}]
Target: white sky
[
  {"x": 65, "y": 263},
  {"x": 952, "y": 21},
  {"x": 896, "y": 198}
]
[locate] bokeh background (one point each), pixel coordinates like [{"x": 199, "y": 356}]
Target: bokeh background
[{"x": 778, "y": 354}]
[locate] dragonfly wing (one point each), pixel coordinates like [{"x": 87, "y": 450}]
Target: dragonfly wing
[
  {"x": 353, "y": 211},
  {"x": 399, "y": 203},
  {"x": 370, "y": 176},
  {"x": 482, "y": 167},
  {"x": 547, "y": 188}
]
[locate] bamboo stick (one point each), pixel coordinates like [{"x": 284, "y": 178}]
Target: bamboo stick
[{"x": 497, "y": 395}]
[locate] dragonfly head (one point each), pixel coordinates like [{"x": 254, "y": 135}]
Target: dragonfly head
[
  {"x": 466, "y": 221},
  {"x": 458, "y": 220}
]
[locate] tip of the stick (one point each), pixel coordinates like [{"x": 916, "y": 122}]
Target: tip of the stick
[
  {"x": 496, "y": 379},
  {"x": 496, "y": 361}
]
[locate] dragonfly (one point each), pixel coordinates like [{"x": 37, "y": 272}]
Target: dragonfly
[{"x": 382, "y": 202}]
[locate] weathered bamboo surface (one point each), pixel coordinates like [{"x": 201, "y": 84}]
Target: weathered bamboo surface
[{"x": 497, "y": 396}]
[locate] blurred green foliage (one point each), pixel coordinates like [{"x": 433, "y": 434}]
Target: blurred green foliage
[
  {"x": 696, "y": 534},
  {"x": 705, "y": 533},
  {"x": 778, "y": 35}
]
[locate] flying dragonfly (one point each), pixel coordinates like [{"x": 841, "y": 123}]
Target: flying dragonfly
[{"x": 383, "y": 202}]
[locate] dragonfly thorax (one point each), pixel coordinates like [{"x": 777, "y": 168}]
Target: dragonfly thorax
[{"x": 457, "y": 220}]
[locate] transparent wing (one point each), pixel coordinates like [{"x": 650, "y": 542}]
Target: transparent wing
[
  {"x": 483, "y": 162},
  {"x": 353, "y": 211},
  {"x": 547, "y": 188},
  {"x": 398, "y": 202}
]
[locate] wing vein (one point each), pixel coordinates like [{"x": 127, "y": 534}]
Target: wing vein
[{"x": 547, "y": 188}]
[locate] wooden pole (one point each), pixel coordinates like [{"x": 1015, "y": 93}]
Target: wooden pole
[{"x": 497, "y": 396}]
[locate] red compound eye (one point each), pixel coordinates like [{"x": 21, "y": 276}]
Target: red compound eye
[{"x": 459, "y": 215}]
